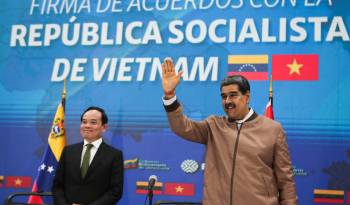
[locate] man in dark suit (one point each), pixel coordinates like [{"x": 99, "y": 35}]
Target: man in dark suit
[{"x": 90, "y": 172}]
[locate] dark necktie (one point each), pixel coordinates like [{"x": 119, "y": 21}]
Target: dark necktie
[{"x": 86, "y": 160}]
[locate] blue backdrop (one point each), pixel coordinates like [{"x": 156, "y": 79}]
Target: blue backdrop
[{"x": 110, "y": 52}]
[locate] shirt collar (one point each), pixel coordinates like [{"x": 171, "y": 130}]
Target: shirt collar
[
  {"x": 250, "y": 113},
  {"x": 96, "y": 143}
]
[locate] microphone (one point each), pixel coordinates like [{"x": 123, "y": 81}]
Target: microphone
[{"x": 151, "y": 181}]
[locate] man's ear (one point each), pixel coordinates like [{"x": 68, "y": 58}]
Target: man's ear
[
  {"x": 248, "y": 96},
  {"x": 105, "y": 127}
]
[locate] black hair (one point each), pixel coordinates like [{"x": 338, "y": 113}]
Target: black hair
[
  {"x": 241, "y": 81},
  {"x": 104, "y": 117}
]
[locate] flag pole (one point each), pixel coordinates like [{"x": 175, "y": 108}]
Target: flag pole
[
  {"x": 63, "y": 100},
  {"x": 271, "y": 91},
  {"x": 269, "y": 107}
]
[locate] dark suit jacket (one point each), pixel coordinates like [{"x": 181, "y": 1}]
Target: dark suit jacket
[{"x": 103, "y": 183}]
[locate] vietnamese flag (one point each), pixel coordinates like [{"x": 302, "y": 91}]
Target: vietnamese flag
[
  {"x": 18, "y": 181},
  {"x": 179, "y": 189},
  {"x": 295, "y": 67}
]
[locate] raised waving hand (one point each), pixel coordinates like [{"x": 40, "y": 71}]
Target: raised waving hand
[{"x": 169, "y": 78}]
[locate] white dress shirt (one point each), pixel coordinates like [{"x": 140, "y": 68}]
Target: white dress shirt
[{"x": 96, "y": 144}]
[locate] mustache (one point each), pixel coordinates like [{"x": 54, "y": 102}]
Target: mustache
[{"x": 227, "y": 105}]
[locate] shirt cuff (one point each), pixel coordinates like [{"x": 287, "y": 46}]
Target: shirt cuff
[{"x": 169, "y": 101}]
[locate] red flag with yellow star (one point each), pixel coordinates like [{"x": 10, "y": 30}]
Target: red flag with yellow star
[
  {"x": 179, "y": 189},
  {"x": 295, "y": 67},
  {"x": 18, "y": 181}
]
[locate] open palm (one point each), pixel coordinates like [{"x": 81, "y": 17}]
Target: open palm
[{"x": 169, "y": 78}]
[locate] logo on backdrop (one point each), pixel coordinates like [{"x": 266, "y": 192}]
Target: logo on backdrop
[
  {"x": 299, "y": 171},
  {"x": 202, "y": 166},
  {"x": 189, "y": 166},
  {"x": 137, "y": 163},
  {"x": 131, "y": 163}
]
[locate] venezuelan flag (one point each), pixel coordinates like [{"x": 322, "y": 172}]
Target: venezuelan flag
[
  {"x": 56, "y": 143},
  {"x": 253, "y": 67},
  {"x": 131, "y": 163}
]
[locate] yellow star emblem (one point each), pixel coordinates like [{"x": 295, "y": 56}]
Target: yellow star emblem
[
  {"x": 18, "y": 182},
  {"x": 295, "y": 67},
  {"x": 179, "y": 189}
]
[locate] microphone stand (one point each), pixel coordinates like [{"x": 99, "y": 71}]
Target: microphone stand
[
  {"x": 150, "y": 195},
  {"x": 152, "y": 180}
]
